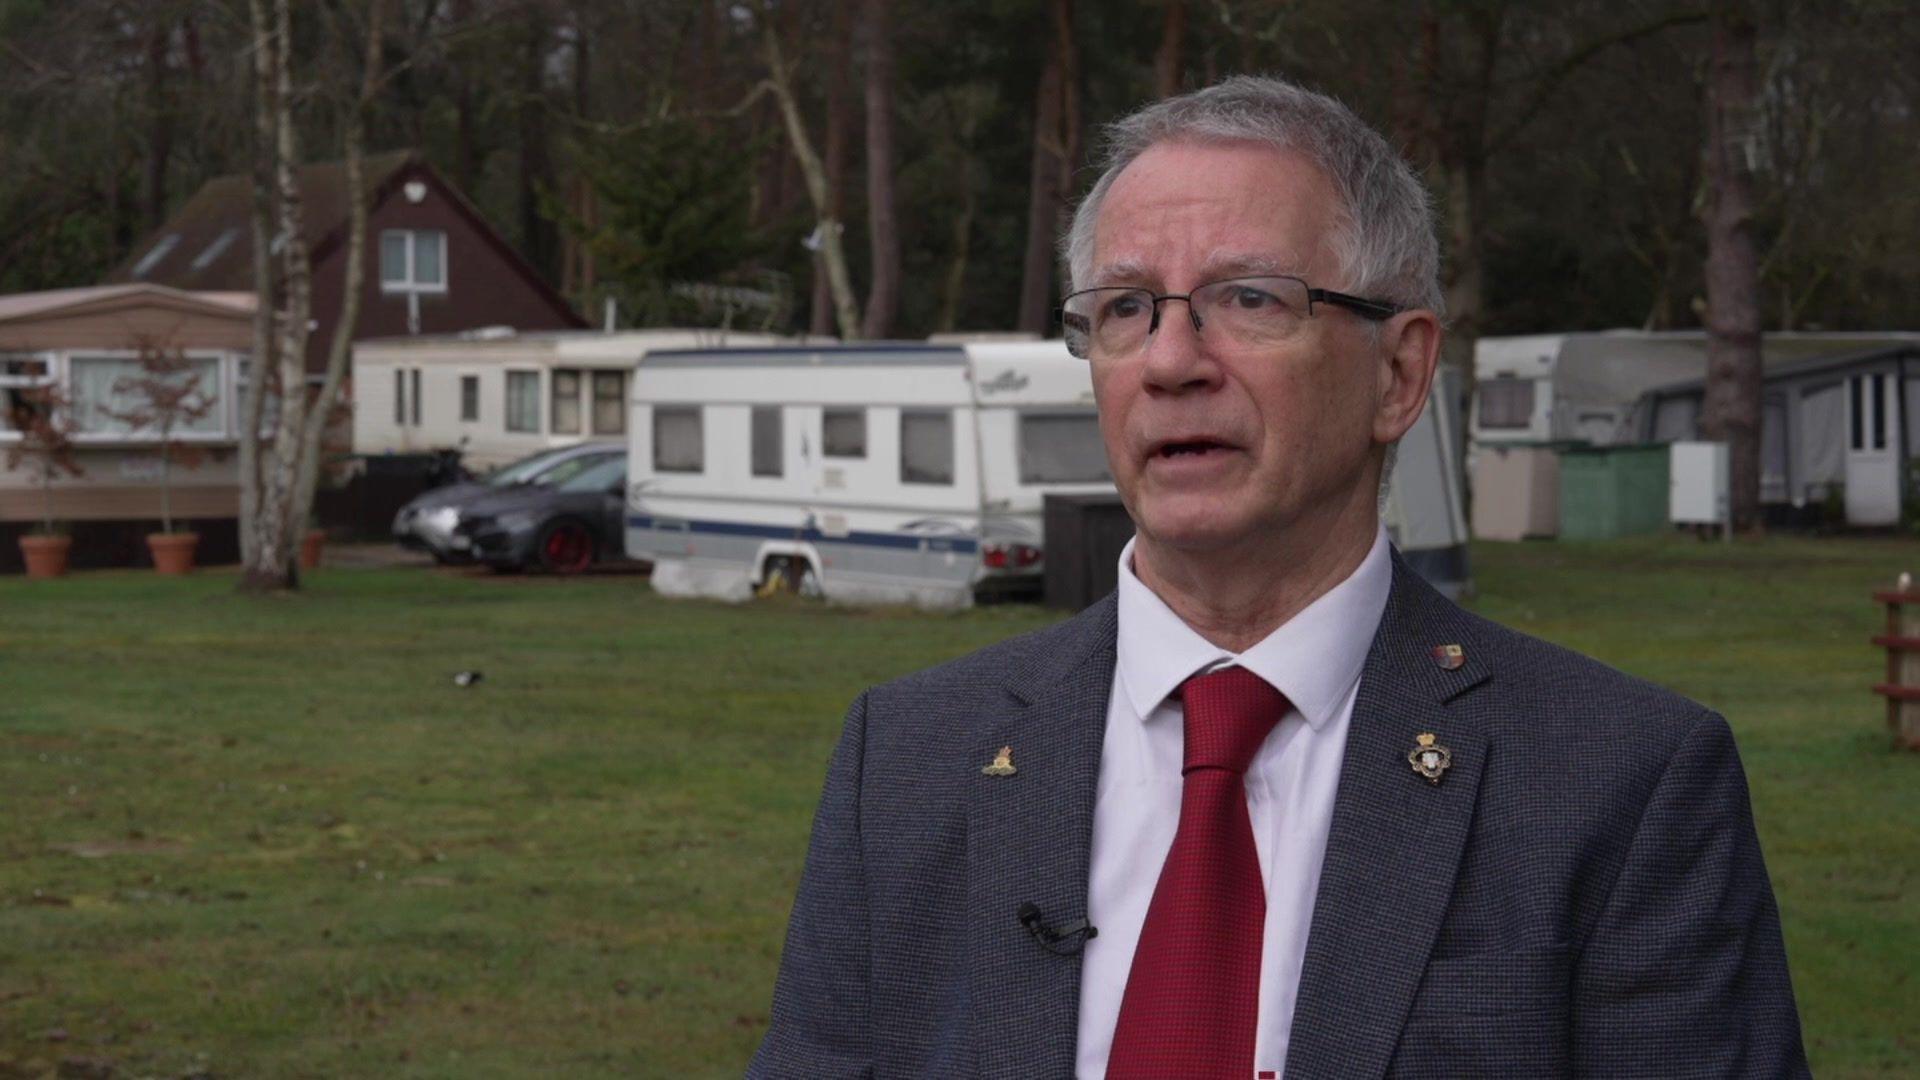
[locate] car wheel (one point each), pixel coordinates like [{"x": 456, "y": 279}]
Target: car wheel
[{"x": 564, "y": 547}]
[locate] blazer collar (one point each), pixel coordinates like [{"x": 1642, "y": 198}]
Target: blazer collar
[
  {"x": 1029, "y": 839},
  {"x": 1395, "y": 841}
]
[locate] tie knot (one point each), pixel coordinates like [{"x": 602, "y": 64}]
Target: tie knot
[{"x": 1228, "y": 715}]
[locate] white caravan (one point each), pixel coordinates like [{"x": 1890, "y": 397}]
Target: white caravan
[
  {"x": 909, "y": 473},
  {"x": 891, "y": 473}
]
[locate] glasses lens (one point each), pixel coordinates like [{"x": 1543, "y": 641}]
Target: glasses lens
[
  {"x": 1107, "y": 322},
  {"x": 1253, "y": 311}
]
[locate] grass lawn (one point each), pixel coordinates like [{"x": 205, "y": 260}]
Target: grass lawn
[{"x": 247, "y": 837}]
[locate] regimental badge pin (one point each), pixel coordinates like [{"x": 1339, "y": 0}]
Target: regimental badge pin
[
  {"x": 1449, "y": 657},
  {"x": 1002, "y": 763},
  {"x": 1429, "y": 758}
]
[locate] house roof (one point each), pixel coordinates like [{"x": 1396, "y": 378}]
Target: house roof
[
  {"x": 20, "y": 307},
  {"x": 1832, "y": 363},
  {"x": 207, "y": 244}
]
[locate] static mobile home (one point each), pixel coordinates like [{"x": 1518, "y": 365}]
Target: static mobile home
[
  {"x": 87, "y": 343},
  {"x": 906, "y": 472},
  {"x": 500, "y": 395}
]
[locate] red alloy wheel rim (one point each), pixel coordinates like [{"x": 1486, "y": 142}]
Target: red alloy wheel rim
[{"x": 567, "y": 549}]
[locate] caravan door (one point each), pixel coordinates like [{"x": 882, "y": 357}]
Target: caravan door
[{"x": 1873, "y": 458}]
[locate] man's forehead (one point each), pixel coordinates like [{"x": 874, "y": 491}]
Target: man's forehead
[{"x": 1220, "y": 263}]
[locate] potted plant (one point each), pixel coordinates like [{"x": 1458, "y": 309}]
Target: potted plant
[
  {"x": 167, "y": 397},
  {"x": 42, "y": 416}
]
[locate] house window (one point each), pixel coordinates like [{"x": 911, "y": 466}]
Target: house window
[
  {"x": 216, "y": 249},
  {"x": 242, "y": 384},
  {"x": 767, "y": 449},
  {"x": 844, "y": 433},
  {"x": 19, "y": 377},
  {"x": 103, "y": 393},
  {"x": 1062, "y": 449},
  {"x": 1506, "y": 403},
  {"x": 523, "y": 401},
  {"x": 413, "y": 260},
  {"x": 566, "y": 402},
  {"x": 469, "y": 398},
  {"x": 926, "y": 447},
  {"x": 154, "y": 254},
  {"x": 399, "y": 397},
  {"x": 609, "y": 403},
  {"x": 415, "y": 402},
  {"x": 677, "y": 441}
]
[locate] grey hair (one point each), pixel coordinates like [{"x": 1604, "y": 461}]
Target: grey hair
[{"x": 1386, "y": 244}]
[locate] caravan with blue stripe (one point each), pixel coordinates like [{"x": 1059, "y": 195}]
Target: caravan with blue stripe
[{"x": 880, "y": 473}]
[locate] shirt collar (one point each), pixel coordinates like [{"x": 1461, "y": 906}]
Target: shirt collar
[{"x": 1313, "y": 658}]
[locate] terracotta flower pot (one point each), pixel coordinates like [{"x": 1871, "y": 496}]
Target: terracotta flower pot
[
  {"x": 310, "y": 547},
  {"x": 173, "y": 552},
  {"x": 46, "y": 556}
]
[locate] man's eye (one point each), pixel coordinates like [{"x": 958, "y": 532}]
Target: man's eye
[
  {"x": 1128, "y": 306},
  {"x": 1251, "y": 299}
]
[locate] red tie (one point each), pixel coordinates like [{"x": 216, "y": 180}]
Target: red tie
[{"x": 1193, "y": 996}]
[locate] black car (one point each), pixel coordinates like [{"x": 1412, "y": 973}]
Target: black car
[
  {"x": 564, "y": 527},
  {"x": 429, "y": 521}
]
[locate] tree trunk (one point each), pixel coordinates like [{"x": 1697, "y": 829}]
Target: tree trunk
[
  {"x": 828, "y": 227},
  {"x": 1173, "y": 43},
  {"x": 1465, "y": 280},
  {"x": 160, "y": 129},
  {"x": 1732, "y": 409},
  {"x": 821, "y": 321},
  {"x": 1036, "y": 270},
  {"x": 272, "y": 528},
  {"x": 955, "y": 288},
  {"x": 883, "y": 230},
  {"x": 537, "y": 235}
]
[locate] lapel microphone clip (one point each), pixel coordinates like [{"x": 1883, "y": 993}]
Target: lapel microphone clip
[{"x": 1061, "y": 941}]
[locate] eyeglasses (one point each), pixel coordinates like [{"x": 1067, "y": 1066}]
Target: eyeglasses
[{"x": 1114, "y": 322}]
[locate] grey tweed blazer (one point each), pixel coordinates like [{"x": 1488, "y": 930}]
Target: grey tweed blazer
[{"x": 1581, "y": 894}]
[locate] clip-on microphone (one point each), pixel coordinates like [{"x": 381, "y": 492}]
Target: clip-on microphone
[{"x": 1062, "y": 941}]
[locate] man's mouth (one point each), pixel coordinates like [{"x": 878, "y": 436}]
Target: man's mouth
[{"x": 1189, "y": 448}]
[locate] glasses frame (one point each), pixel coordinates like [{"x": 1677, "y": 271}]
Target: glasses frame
[{"x": 1372, "y": 310}]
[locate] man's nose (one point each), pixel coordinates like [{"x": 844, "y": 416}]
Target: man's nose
[{"x": 1176, "y": 356}]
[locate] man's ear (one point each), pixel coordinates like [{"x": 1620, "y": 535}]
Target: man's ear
[{"x": 1409, "y": 351}]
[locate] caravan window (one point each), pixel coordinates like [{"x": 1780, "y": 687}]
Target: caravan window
[
  {"x": 926, "y": 447},
  {"x": 609, "y": 403},
  {"x": 766, "y": 441},
  {"x": 523, "y": 401},
  {"x": 469, "y": 397},
  {"x": 1506, "y": 402},
  {"x": 105, "y": 398},
  {"x": 677, "y": 441},
  {"x": 20, "y": 377},
  {"x": 566, "y": 402},
  {"x": 843, "y": 433},
  {"x": 1062, "y": 449}
]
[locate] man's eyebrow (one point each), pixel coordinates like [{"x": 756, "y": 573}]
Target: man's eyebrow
[
  {"x": 1229, "y": 265},
  {"x": 1123, "y": 272}
]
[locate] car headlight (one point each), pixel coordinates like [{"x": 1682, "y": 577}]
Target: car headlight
[{"x": 443, "y": 519}]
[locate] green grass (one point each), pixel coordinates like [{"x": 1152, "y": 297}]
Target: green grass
[{"x": 269, "y": 837}]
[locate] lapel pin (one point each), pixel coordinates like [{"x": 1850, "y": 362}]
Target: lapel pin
[
  {"x": 1002, "y": 763},
  {"x": 1429, "y": 759},
  {"x": 1449, "y": 657}
]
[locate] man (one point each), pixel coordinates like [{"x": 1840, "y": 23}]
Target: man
[{"x": 1276, "y": 808}]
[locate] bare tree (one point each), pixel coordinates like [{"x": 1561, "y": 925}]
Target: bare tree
[
  {"x": 278, "y": 478},
  {"x": 883, "y": 230},
  {"x": 827, "y": 228},
  {"x": 1732, "y": 408},
  {"x": 1050, "y": 184}
]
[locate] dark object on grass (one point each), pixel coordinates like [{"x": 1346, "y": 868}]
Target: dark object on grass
[{"x": 467, "y": 678}]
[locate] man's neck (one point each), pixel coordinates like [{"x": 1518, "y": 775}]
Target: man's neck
[{"x": 1234, "y": 599}]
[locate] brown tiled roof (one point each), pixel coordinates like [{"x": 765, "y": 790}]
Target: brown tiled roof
[{"x": 209, "y": 241}]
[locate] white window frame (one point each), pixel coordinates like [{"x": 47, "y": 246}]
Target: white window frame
[
  {"x": 12, "y": 382},
  {"x": 469, "y": 379},
  {"x": 226, "y": 379},
  {"x": 541, "y": 394},
  {"x": 409, "y": 284}
]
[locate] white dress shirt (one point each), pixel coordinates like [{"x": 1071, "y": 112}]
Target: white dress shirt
[{"x": 1315, "y": 660}]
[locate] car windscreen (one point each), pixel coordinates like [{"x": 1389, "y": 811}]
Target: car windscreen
[
  {"x": 560, "y": 472},
  {"x": 601, "y": 474},
  {"x": 527, "y": 468}
]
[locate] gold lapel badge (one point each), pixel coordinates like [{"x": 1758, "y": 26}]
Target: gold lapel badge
[
  {"x": 1002, "y": 763},
  {"x": 1429, "y": 759},
  {"x": 1449, "y": 657}
]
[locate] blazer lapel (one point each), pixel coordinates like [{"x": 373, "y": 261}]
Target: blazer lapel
[
  {"x": 1394, "y": 843},
  {"x": 1029, "y": 838}
]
